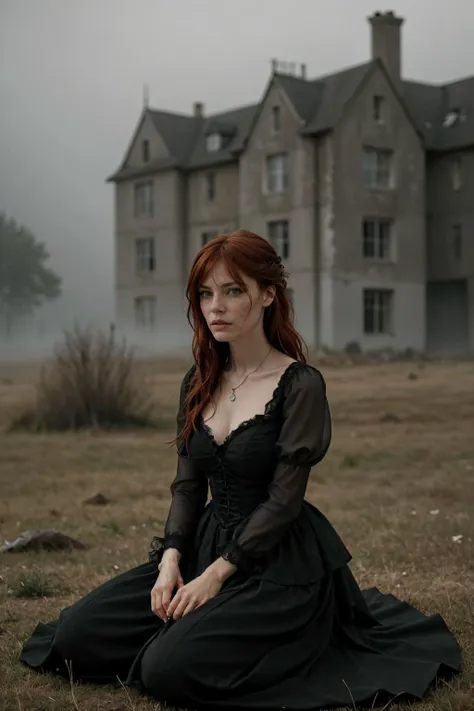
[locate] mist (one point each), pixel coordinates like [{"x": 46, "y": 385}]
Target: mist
[{"x": 71, "y": 87}]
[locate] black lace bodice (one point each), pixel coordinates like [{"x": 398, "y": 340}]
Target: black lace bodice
[{"x": 258, "y": 475}]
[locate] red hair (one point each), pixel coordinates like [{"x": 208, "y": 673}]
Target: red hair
[{"x": 243, "y": 253}]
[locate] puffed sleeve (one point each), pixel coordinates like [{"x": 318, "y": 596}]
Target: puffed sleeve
[
  {"x": 304, "y": 439},
  {"x": 189, "y": 491}
]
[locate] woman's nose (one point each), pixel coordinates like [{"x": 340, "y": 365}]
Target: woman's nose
[{"x": 217, "y": 304}]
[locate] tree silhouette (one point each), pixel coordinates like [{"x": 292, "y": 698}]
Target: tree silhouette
[{"x": 25, "y": 280}]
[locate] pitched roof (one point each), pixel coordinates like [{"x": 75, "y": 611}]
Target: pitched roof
[
  {"x": 335, "y": 91},
  {"x": 443, "y": 113},
  {"x": 178, "y": 131},
  {"x": 424, "y": 102},
  {"x": 319, "y": 103},
  {"x": 304, "y": 95}
]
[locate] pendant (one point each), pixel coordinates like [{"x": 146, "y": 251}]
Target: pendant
[{"x": 232, "y": 395}]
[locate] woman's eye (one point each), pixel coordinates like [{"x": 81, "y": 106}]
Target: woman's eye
[
  {"x": 235, "y": 291},
  {"x": 203, "y": 294}
]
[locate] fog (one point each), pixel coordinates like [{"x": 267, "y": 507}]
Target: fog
[{"x": 71, "y": 85}]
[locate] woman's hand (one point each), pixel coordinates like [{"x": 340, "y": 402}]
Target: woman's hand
[
  {"x": 195, "y": 594},
  {"x": 168, "y": 579}
]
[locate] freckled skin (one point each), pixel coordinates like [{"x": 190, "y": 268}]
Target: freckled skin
[{"x": 223, "y": 299}]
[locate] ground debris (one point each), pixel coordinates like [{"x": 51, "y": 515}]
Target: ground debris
[
  {"x": 42, "y": 540},
  {"x": 98, "y": 500},
  {"x": 390, "y": 417}
]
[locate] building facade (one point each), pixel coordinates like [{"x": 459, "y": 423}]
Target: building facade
[{"x": 363, "y": 182}]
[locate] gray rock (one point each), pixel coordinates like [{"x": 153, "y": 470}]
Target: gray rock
[{"x": 42, "y": 540}]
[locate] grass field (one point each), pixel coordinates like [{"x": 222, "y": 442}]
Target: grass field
[{"x": 396, "y": 491}]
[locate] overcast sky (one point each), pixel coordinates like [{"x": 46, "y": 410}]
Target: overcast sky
[{"x": 71, "y": 86}]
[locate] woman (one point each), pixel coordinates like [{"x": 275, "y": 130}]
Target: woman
[{"x": 254, "y": 606}]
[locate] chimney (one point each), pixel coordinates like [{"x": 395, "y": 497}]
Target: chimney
[
  {"x": 386, "y": 42},
  {"x": 303, "y": 71},
  {"x": 198, "y": 109}
]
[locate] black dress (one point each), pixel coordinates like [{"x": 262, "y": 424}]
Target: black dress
[{"x": 291, "y": 629}]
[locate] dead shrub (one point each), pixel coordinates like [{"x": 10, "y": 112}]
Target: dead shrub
[{"x": 91, "y": 383}]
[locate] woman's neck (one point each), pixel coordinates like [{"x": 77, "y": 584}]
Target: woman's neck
[{"x": 248, "y": 354}]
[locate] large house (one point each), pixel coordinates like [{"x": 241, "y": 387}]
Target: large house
[{"x": 363, "y": 181}]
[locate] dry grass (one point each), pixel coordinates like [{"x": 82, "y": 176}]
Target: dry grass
[
  {"x": 90, "y": 382},
  {"x": 376, "y": 476}
]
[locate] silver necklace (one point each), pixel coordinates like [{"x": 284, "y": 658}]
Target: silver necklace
[{"x": 232, "y": 396}]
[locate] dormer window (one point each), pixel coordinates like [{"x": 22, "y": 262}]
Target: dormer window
[
  {"x": 214, "y": 142},
  {"x": 454, "y": 117},
  {"x": 146, "y": 151}
]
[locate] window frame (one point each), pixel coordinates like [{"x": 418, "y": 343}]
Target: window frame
[
  {"x": 213, "y": 142},
  {"x": 145, "y": 259},
  {"x": 210, "y": 186},
  {"x": 378, "y": 311},
  {"x": 280, "y": 241},
  {"x": 373, "y": 170},
  {"x": 378, "y": 105},
  {"x": 207, "y": 235},
  {"x": 142, "y": 324},
  {"x": 378, "y": 238},
  {"x": 143, "y": 207},
  {"x": 276, "y": 173},
  {"x": 276, "y": 118}
]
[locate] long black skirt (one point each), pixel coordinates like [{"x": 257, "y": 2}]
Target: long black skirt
[{"x": 256, "y": 645}]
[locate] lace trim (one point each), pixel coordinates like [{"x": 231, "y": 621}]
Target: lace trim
[
  {"x": 236, "y": 555},
  {"x": 269, "y": 410},
  {"x": 156, "y": 549}
]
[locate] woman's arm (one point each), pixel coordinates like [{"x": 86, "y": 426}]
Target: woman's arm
[{"x": 189, "y": 491}]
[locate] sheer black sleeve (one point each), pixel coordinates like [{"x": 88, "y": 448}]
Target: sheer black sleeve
[
  {"x": 303, "y": 441},
  {"x": 189, "y": 493}
]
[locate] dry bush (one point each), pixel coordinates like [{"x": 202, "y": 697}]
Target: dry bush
[{"x": 90, "y": 383}]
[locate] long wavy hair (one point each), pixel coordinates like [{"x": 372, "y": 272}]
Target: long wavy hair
[{"x": 244, "y": 254}]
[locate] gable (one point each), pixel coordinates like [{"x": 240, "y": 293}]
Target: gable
[
  {"x": 146, "y": 132},
  {"x": 262, "y": 124},
  {"x": 334, "y": 93},
  {"x": 378, "y": 82}
]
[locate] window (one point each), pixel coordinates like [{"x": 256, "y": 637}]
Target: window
[
  {"x": 454, "y": 117},
  {"x": 206, "y": 236},
  {"x": 210, "y": 187},
  {"x": 378, "y": 307},
  {"x": 377, "y": 168},
  {"x": 279, "y": 235},
  {"x": 378, "y": 108},
  {"x": 145, "y": 254},
  {"x": 146, "y": 151},
  {"x": 145, "y": 312},
  {"x": 457, "y": 242},
  {"x": 143, "y": 198},
  {"x": 277, "y": 173},
  {"x": 456, "y": 174},
  {"x": 376, "y": 235},
  {"x": 214, "y": 142},
  {"x": 276, "y": 119}
]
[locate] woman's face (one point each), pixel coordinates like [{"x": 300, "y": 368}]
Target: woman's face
[{"x": 230, "y": 312}]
